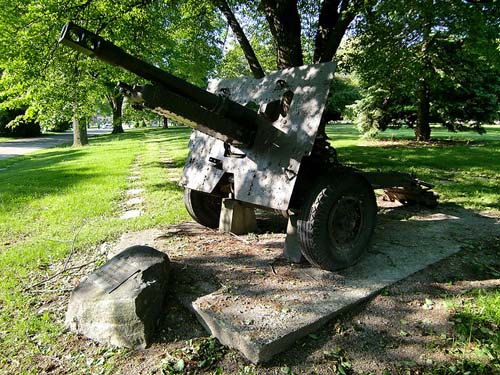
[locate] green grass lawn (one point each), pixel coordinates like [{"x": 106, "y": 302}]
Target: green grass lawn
[
  {"x": 64, "y": 200},
  {"x": 5, "y": 139},
  {"x": 465, "y": 167}
]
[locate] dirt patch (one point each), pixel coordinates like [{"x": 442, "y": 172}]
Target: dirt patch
[{"x": 407, "y": 325}]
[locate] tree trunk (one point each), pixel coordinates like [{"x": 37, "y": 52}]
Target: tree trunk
[
  {"x": 80, "y": 137},
  {"x": 116, "y": 102},
  {"x": 334, "y": 19},
  {"x": 423, "y": 129},
  {"x": 165, "y": 123},
  {"x": 284, "y": 22},
  {"x": 252, "y": 60},
  {"x": 328, "y": 16}
]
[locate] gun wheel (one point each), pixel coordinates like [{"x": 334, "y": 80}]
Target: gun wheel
[
  {"x": 204, "y": 208},
  {"x": 337, "y": 221}
]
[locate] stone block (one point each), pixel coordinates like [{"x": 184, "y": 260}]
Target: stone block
[
  {"x": 292, "y": 250},
  {"x": 120, "y": 302}
]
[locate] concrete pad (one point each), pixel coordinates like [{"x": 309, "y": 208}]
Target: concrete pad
[
  {"x": 262, "y": 316},
  {"x": 248, "y": 296}
]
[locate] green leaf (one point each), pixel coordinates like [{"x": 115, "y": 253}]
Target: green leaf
[{"x": 180, "y": 366}]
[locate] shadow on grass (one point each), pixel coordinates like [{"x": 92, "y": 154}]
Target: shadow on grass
[
  {"x": 456, "y": 170},
  {"x": 177, "y": 162},
  {"x": 35, "y": 176},
  {"x": 107, "y": 138},
  {"x": 167, "y": 186}
]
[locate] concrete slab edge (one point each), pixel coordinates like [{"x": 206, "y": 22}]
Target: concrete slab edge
[{"x": 261, "y": 353}]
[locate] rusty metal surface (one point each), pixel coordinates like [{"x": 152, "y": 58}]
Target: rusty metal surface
[{"x": 267, "y": 174}]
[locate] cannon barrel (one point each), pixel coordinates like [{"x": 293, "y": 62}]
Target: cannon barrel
[{"x": 218, "y": 116}]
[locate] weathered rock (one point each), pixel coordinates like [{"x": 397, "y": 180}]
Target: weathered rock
[{"x": 120, "y": 302}]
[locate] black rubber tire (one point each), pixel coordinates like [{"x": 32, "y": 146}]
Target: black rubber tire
[
  {"x": 336, "y": 222},
  {"x": 204, "y": 208}
]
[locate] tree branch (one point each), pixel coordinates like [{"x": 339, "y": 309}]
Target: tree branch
[
  {"x": 335, "y": 17},
  {"x": 252, "y": 59},
  {"x": 59, "y": 273}
]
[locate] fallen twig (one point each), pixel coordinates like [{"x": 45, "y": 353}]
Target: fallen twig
[
  {"x": 311, "y": 276},
  {"x": 62, "y": 290},
  {"x": 240, "y": 238},
  {"x": 273, "y": 269},
  {"x": 72, "y": 246},
  {"x": 58, "y": 273}
]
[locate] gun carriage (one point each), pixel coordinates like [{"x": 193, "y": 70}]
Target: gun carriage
[{"x": 261, "y": 143}]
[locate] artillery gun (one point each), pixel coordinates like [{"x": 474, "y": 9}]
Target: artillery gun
[{"x": 261, "y": 143}]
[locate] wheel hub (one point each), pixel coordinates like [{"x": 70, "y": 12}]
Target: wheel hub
[{"x": 345, "y": 221}]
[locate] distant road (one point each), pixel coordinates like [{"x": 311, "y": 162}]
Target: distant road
[{"x": 21, "y": 146}]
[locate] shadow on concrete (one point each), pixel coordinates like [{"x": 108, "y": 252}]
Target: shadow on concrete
[{"x": 404, "y": 237}]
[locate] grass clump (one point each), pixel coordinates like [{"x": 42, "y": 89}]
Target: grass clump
[
  {"x": 476, "y": 338},
  {"x": 198, "y": 355},
  {"x": 477, "y": 321}
]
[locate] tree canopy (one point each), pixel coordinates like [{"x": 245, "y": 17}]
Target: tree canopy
[
  {"x": 56, "y": 83},
  {"x": 427, "y": 61},
  {"x": 418, "y": 61}
]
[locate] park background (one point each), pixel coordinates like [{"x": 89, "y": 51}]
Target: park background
[{"x": 417, "y": 89}]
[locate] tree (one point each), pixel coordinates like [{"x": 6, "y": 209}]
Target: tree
[
  {"x": 298, "y": 32},
  {"x": 235, "y": 64},
  {"x": 51, "y": 82},
  {"x": 302, "y": 31},
  {"x": 344, "y": 92},
  {"x": 22, "y": 129},
  {"x": 55, "y": 82},
  {"x": 115, "y": 99},
  {"x": 420, "y": 61},
  {"x": 240, "y": 35}
]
